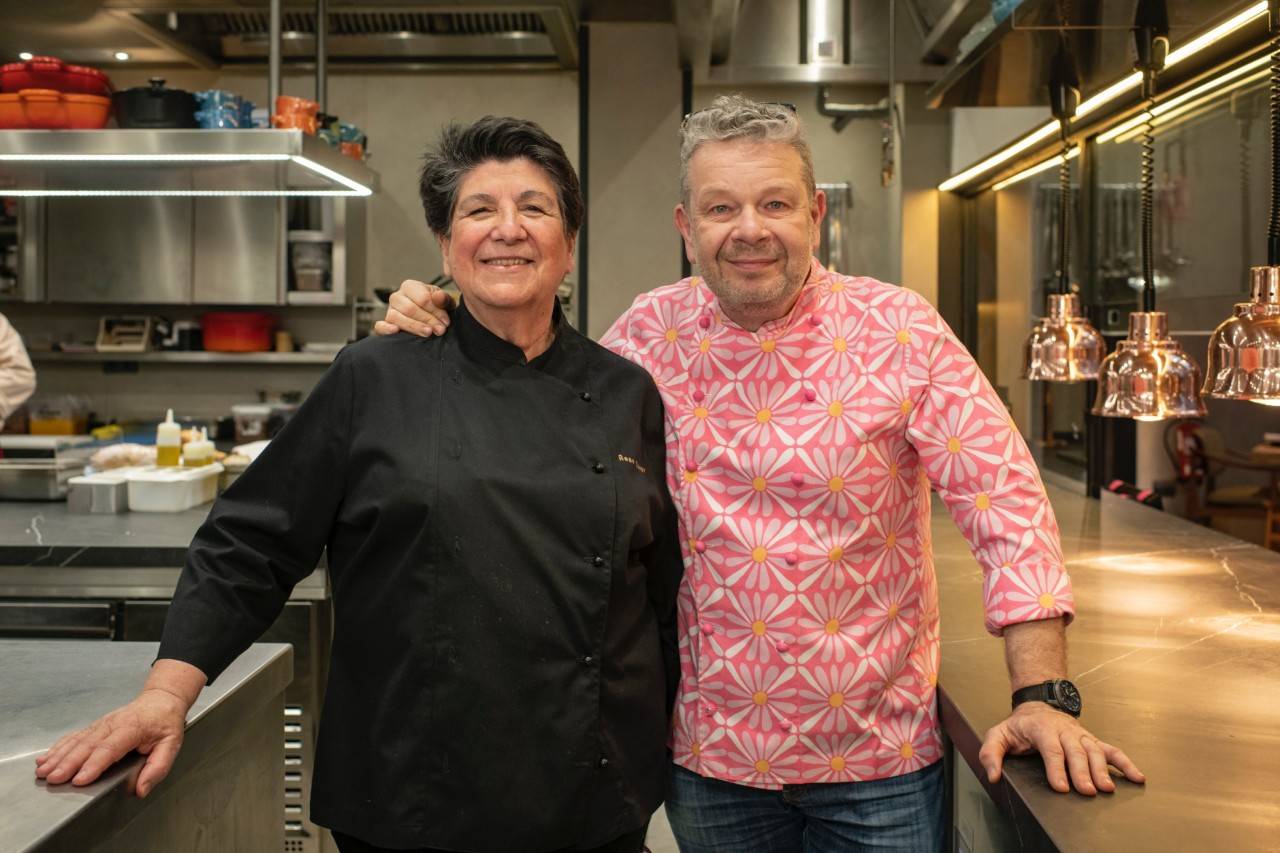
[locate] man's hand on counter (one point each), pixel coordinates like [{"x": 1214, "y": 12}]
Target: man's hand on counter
[
  {"x": 153, "y": 724},
  {"x": 417, "y": 307},
  {"x": 1072, "y": 756},
  {"x": 1035, "y": 652}
]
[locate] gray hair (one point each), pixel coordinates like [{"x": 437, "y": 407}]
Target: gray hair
[{"x": 736, "y": 116}]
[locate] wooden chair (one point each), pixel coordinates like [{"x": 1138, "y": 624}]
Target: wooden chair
[{"x": 1205, "y": 498}]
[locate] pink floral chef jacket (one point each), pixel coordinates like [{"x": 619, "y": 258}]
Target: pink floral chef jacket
[{"x": 800, "y": 457}]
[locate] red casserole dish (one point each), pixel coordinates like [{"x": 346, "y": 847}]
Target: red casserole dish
[
  {"x": 45, "y": 109},
  {"x": 238, "y": 331},
  {"x": 49, "y": 72}
]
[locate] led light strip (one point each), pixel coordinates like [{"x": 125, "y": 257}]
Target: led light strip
[
  {"x": 1195, "y": 108},
  {"x": 1037, "y": 168},
  {"x": 1217, "y": 85},
  {"x": 354, "y": 188},
  {"x": 1115, "y": 90},
  {"x": 174, "y": 193},
  {"x": 141, "y": 158}
]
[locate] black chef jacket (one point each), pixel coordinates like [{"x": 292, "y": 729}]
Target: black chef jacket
[{"x": 504, "y": 562}]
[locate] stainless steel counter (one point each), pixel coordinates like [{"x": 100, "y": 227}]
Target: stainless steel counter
[
  {"x": 111, "y": 576},
  {"x": 46, "y": 551},
  {"x": 51, "y": 688},
  {"x": 1176, "y": 650}
]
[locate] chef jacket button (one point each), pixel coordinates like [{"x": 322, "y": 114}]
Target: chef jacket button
[
  {"x": 597, "y": 561},
  {"x": 797, "y": 479},
  {"x": 698, "y": 395},
  {"x": 815, "y": 320},
  {"x": 708, "y": 709},
  {"x": 598, "y": 467},
  {"x": 787, "y": 725},
  {"x": 782, "y": 645},
  {"x": 700, "y": 546},
  {"x": 704, "y": 321},
  {"x": 810, "y": 395},
  {"x": 586, "y": 396},
  {"x": 604, "y": 762},
  {"x": 708, "y": 627},
  {"x": 792, "y": 559}
]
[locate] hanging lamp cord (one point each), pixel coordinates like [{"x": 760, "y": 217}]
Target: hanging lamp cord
[
  {"x": 1273, "y": 226},
  {"x": 1151, "y": 38},
  {"x": 1064, "y": 214},
  {"x": 1147, "y": 202}
]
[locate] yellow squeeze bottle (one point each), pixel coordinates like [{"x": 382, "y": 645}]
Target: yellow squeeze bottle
[{"x": 168, "y": 442}]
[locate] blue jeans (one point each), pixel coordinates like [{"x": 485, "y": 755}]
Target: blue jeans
[{"x": 902, "y": 813}]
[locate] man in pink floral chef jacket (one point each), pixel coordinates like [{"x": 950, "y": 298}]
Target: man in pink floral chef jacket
[{"x": 809, "y": 414}]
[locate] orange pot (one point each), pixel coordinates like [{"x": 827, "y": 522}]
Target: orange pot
[
  {"x": 12, "y": 116},
  {"x": 290, "y": 104},
  {"x": 299, "y": 121},
  {"x": 87, "y": 112},
  {"x": 43, "y": 108}
]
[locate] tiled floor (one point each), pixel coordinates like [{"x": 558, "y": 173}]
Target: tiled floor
[{"x": 659, "y": 839}]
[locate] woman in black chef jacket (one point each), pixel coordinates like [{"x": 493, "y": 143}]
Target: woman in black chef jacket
[{"x": 501, "y": 546}]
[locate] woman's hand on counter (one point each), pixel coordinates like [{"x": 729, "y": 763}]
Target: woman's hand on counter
[
  {"x": 1072, "y": 756},
  {"x": 419, "y": 308},
  {"x": 153, "y": 724}
]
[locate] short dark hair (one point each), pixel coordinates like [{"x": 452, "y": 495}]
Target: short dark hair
[{"x": 463, "y": 147}]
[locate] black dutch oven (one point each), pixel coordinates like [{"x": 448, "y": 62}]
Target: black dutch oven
[{"x": 154, "y": 106}]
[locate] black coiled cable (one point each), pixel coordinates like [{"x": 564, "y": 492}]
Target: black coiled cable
[
  {"x": 1147, "y": 203},
  {"x": 1064, "y": 216},
  {"x": 1273, "y": 227}
]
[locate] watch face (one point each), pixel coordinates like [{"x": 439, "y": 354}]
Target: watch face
[{"x": 1067, "y": 696}]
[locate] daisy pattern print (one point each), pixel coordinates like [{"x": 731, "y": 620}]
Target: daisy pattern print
[{"x": 801, "y": 457}]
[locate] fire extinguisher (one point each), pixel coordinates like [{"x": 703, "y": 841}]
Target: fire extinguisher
[{"x": 1189, "y": 451}]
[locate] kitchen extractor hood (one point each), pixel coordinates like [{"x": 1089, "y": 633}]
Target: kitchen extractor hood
[
  {"x": 176, "y": 163},
  {"x": 419, "y": 34},
  {"x": 750, "y": 42}
]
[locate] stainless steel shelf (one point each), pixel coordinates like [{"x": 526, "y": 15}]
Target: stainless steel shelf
[
  {"x": 177, "y": 162},
  {"x": 215, "y": 358}
]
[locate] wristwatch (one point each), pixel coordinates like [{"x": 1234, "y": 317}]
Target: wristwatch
[{"x": 1058, "y": 693}]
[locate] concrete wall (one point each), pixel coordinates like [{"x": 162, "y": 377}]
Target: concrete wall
[{"x": 633, "y": 171}]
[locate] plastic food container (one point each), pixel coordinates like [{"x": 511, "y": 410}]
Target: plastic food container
[
  {"x": 102, "y": 493},
  {"x": 45, "y": 109},
  {"x": 172, "y": 489},
  {"x": 49, "y": 72},
  {"x": 238, "y": 331}
]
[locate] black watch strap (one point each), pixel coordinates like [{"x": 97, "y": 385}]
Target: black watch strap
[{"x": 1057, "y": 693}]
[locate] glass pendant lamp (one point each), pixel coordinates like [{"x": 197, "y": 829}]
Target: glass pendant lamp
[
  {"x": 1149, "y": 377},
  {"x": 1063, "y": 346},
  {"x": 1244, "y": 351}
]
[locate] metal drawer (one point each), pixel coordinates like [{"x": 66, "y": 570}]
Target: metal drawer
[{"x": 82, "y": 620}]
